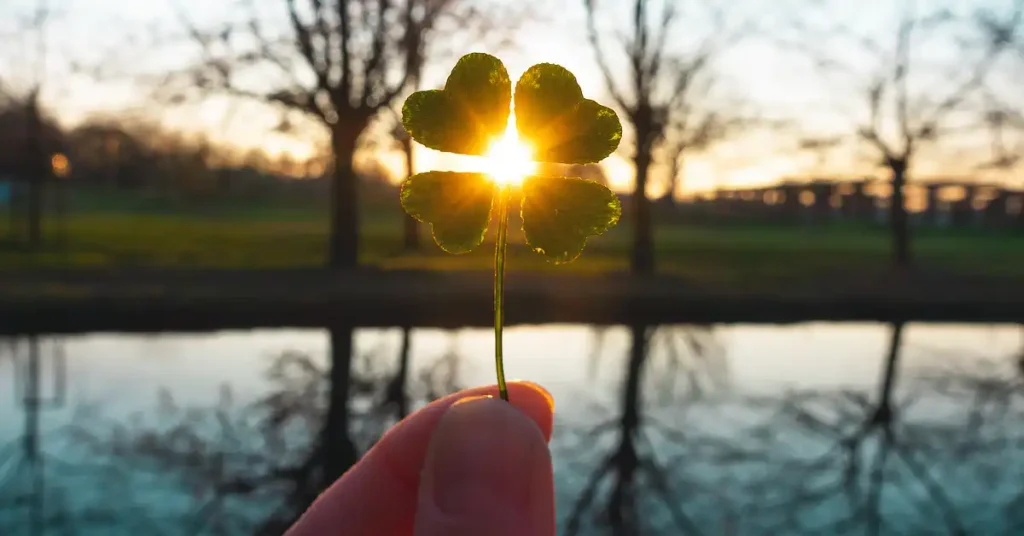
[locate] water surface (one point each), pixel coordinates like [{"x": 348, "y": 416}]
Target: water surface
[{"x": 740, "y": 429}]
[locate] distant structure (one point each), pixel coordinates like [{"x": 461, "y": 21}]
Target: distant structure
[{"x": 933, "y": 203}]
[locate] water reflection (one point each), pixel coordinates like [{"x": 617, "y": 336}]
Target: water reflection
[
  {"x": 221, "y": 468},
  {"x": 23, "y": 463},
  {"x": 663, "y": 429},
  {"x": 624, "y": 475},
  {"x": 808, "y": 461},
  {"x": 859, "y": 443}
]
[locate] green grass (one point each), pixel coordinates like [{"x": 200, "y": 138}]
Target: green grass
[{"x": 274, "y": 236}]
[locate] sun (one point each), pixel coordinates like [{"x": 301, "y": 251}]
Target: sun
[{"x": 509, "y": 160}]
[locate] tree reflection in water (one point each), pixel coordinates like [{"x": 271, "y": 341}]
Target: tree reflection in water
[
  {"x": 629, "y": 473},
  {"x": 232, "y": 468},
  {"x": 931, "y": 450},
  {"x": 40, "y": 376},
  {"x": 907, "y": 460},
  {"x": 939, "y": 455}
]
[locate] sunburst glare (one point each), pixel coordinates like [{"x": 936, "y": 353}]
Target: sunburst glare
[{"x": 509, "y": 160}]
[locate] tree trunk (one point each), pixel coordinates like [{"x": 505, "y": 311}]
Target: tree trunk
[
  {"x": 339, "y": 452},
  {"x": 1020, "y": 210},
  {"x": 675, "y": 170},
  {"x": 38, "y": 166},
  {"x": 898, "y": 214},
  {"x": 411, "y": 233},
  {"x": 402, "y": 376},
  {"x": 343, "y": 249},
  {"x": 35, "y": 211},
  {"x": 642, "y": 260},
  {"x": 622, "y": 504},
  {"x": 631, "y": 400},
  {"x": 884, "y": 410},
  {"x": 15, "y": 204},
  {"x": 31, "y": 403}
]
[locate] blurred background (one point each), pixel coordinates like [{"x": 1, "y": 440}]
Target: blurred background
[{"x": 810, "y": 319}]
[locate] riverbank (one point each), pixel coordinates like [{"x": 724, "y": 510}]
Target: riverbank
[{"x": 190, "y": 300}]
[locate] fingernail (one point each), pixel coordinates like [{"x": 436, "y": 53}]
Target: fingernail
[
  {"x": 482, "y": 456},
  {"x": 471, "y": 399},
  {"x": 540, "y": 390}
]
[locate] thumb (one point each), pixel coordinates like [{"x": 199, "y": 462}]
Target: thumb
[{"x": 487, "y": 471}]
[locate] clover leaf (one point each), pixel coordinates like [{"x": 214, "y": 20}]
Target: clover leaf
[
  {"x": 457, "y": 204},
  {"x": 552, "y": 116},
  {"x": 468, "y": 114},
  {"x": 467, "y": 117},
  {"x": 560, "y": 213},
  {"x": 563, "y": 126}
]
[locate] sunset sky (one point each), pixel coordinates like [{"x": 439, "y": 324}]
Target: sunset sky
[{"x": 759, "y": 73}]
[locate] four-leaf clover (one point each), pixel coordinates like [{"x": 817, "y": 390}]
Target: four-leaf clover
[{"x": 552, "y": 117}]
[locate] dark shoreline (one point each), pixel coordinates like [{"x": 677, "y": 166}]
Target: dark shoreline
[{"x": 153, "y": 301}]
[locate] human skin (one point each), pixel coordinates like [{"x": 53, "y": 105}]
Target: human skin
[{"x": 466, "y": 464}]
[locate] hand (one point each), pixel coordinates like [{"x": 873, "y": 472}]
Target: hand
[{"x": 468, "y": 464}]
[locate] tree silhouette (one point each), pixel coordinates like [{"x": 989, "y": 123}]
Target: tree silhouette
[
  {"x": 911, "y": 99},
  {"x": 336, "y": 66},
  {"x": 1004, "y": 111},
  {"x": 28, "y": 138},
  {"x": 664, "y": 89}
]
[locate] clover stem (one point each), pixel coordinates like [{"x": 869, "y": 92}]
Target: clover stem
[{"x": 499, "y": 288}]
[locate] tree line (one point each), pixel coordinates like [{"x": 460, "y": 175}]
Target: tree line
[{"x": 910, "y": 82}]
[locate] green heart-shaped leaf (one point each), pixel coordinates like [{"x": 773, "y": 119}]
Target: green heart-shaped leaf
[
  {"x": 558, "y": 123},
  {"x": 456, "y": 205},
  {"x": 468, "y": 114},
  {"x": 560, "y": 213}
]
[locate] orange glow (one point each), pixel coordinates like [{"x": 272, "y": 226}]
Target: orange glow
[
  {"x": 60, "y": 165},
  {"x": 807, "y": 198},
  {"x": 509, "y": 161}
]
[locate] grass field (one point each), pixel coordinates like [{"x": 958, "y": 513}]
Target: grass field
[{"x": 246, "y": 236}]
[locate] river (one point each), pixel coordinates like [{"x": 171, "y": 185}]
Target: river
[{"x": 816, "y": 428}]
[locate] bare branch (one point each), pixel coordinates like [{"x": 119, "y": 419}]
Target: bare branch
[
  {"x": 685, "y": 73},
  {"x": 637, "y": 50},
  {"x": 928, "y": 125},
  {"x": 668, "y": 16},
  {"x": 304, "y": 38},
  {"x": 900, "y": 75},
  {"x": 602, "y": 60},
  {"x": 343, "y": 93},
  {"x": 872, "y": 133},
  {"x": 668, "y": 88},
  {"x": 373, "y": 73},
  {"x": 899, "y": 120}
]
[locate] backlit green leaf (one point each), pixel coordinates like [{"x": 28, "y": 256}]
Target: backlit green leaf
[
  {"x": 456, "y": 205},
  {"x": 560, "y": 213},
  {"x": 468, "y": 114},
  {"x": 558, "y": 123}
]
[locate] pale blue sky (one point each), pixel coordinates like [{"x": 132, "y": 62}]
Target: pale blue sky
[{"x": 119, "y": 32}]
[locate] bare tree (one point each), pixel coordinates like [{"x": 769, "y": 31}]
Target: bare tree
[
  {"x": 337, "y": 63},
  {"x": 925, "y": 72},
  {"x": 22, "y": 98},
  {"x": 665, "y": 89},
  {"x": 695, "y": 130},
  {"x": 1004, "y": 107},
  {"x": 410, "y": 225}
]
